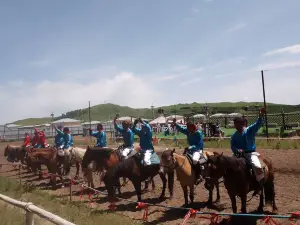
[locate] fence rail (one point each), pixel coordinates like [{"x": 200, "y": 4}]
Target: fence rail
[{"x": 32, "y": 209}]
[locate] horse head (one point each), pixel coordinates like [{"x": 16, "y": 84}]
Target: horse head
[
  {"x": 6, "y": 150},
  {"x": 214, "y": 170},
  {"x": 167, "y": 159}
]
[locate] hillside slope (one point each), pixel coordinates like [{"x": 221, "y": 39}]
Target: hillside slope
[{"x": 104, "y": 112}]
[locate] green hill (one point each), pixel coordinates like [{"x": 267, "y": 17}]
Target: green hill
[{"x": 104, "y": 112}]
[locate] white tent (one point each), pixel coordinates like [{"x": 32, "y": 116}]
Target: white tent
[
  {"x": 232, "y": 115},
  {"x": 218, "y": 115},
  {"x": 199, "y": 116},
  {"x": 158, "y": 120}
]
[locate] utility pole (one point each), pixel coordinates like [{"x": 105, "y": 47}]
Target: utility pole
[
  {"x": 265, "y": 104},
  {"x": 52, "y": 116},
  {"x": 152, "y": 107},
  {"x": 90, "y": 118}
]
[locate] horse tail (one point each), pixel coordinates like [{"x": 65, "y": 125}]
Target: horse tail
[{"x": 269, "y": 187}]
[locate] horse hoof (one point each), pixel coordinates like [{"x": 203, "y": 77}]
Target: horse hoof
[
  {"x": 260, "y": 210},
  {"x": 171, "y": 197},
  {"x": 218, "y": 200}
]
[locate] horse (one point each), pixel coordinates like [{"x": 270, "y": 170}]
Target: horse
[
  {"x": 48, "y": 157},
  {"x": 185, "y": 173},
  {"x": 15, "y": 153},
  {"x": 103, "y": 158},
  {"x": 239, "y": 181},
  {"x": 132, "y": 169}
]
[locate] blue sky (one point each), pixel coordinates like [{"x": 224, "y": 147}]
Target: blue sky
[{"x": 57, "y": 55}]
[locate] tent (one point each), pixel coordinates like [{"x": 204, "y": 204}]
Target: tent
[{"x": 218, "y": 115}]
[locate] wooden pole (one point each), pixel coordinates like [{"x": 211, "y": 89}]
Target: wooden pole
[
  {"x": 29, "y": 218},
  {"x": 20, "y": 179},
  {"x": 90, "y": 118},
  {"x": 70, "y": 191},
  {"x": 265, "y": 103}
]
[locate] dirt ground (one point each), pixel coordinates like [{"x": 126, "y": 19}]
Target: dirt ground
[{"x": 287, "y": 184}]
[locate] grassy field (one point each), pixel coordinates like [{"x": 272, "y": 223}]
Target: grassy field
[{"x": 77, "y": 213}]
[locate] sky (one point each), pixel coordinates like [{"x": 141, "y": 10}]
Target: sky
[{"x": 56, "y": 55}]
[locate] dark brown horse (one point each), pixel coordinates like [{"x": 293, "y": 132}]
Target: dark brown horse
[
  {"x": 132, "y": 169},
  {"x": 104, "y": 159},
  {"x": 239, "y": 181},
  {"x": 15, "y": 153},
  {"x": 185, "y": 174},
  {"x": 45, "y": 156}
]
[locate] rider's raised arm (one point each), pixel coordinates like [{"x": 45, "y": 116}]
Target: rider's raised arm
[
  {"x": 181, "y": 129},
  {"x": 254, "y": 128},
  {"x": 118, "y": 127},
  {"x": 136, "y": 130},
  {"x": 234, "y": 148},
  {"x": 58, "y": 130},
  {"x": 94, "y": 133}
]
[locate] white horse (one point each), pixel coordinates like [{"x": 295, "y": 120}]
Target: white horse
[{"x": 77, "y": 157}]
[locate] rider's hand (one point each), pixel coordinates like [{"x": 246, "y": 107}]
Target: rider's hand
[
  {"x": 262, "y": 111},
  {"x": 241, "y": 151},
  {"x": 136, "y": 121}
]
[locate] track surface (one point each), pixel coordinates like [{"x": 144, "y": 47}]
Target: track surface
[{"x": 287, "y": 186}]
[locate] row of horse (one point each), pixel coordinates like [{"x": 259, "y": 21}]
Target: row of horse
[{"x": 110, "y": 160}]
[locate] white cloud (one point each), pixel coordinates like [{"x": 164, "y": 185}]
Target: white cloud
[
  {"x": 44, "y": 97},
  {"x": 236, "y": 27},
  {"x": 278, "y": 65},
  {"x": 190, "y": 81},
  {"x": 39, "y": 63},
  {"x": 195, "y": 10},
  {"x": 165, "y": 78},
  {"x": 293, "y": 49}
]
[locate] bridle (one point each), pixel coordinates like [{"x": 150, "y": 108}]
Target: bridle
[{"x": 175, "y": 163}]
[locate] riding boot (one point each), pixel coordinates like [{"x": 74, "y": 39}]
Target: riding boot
[{"x": 198, "y": 177}]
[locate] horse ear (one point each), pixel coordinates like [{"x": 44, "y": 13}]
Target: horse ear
[
  {"x": 221, "y": 154},
  {"x": 173, "y": 150}
]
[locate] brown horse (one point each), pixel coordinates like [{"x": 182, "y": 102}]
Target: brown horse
[
  {"x": 185, "y": 173},
  {"x": 102, "y": 159},
  {"x": 132, "y": 169},
  {"x": 48, "y": 157},
  {"x": 15, "y": 153},
  {"x": 239, "y": 181}
]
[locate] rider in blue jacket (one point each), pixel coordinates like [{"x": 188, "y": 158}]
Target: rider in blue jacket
[{"x": 100, "y": 135}]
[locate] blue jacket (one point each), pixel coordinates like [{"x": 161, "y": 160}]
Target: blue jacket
[
  {"x": 59, "y": 140},
  {"x": 145, "y": 135},
  {"x": 128, "y": 136},
  {"x": 68, "y": 139},
  {"x": 195, "y": 140},
  {"x": 246, "y": 140},
  {"x": 101, "y": 138}
]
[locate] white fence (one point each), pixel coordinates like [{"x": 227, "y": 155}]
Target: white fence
[{"x": 32, "y": 209}]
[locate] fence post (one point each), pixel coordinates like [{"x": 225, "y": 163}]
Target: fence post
[
  {"x": 29, "y": 218},
  {"x": 20, "y": 179},
  {"x": 70, "y": 188}
]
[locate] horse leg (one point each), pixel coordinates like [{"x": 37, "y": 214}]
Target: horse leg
[
  {"x": 164, "y": 182},
  {"x": 137, "y": 186},
  {"x": 171, "y": 183},
  {"x": 153, "y": 184},
  {"x": 233, "y": 203},
  {"x": 185, "y": 193},
  {"x": 260, "y": 208},
  {"x": 39, "y": 167},
  {"x": 192, "y": 193},
  {"x": 77, "y": 170},
  {"x": 210, "y": 197},
  {"x": 218, "y": 192},
  {"x": 119, "y": 186},
  {"x": 244, "y": 204}
]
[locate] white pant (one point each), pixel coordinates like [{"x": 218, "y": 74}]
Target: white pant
[
  {"x": 147, "y": 157},
  {"x": 126, "y": 151},
  {"x": 257, "y": 168},
  {"x": 198, "y": 157}
]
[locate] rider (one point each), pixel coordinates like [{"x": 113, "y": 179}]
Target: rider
[
  {"x": 59, "y": 138},
  {"x": 195, "y": 140},
  {"x": 68, "y": 139},
  {"x": 41, "y": 139},
  {"x": 128, "y": 136},
  {"x": 145, "y": 135},
  {"x": 100, "y": 135},
  {"x": 27, "y": 141},
  {"x": 243, "y": 141}
]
